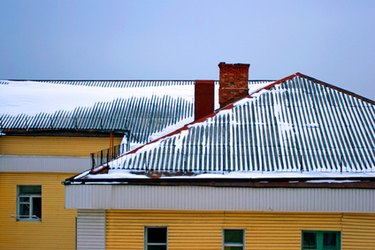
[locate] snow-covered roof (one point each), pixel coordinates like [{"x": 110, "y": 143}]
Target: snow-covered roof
[
  {"x": 142, "y": 107},
  {"x": 295, "y": 125},
  {"x": 145, "y": 108}
]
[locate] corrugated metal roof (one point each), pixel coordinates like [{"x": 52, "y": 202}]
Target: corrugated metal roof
[
  {"x": 111, "y": 83},
  {"x": 143, "y": 115},
  {"x": 297, "y": 124}
]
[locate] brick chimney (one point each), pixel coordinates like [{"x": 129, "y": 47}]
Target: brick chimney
[
  {"x": 204, "y": 98},
  {"x": 234, "y": 82}
]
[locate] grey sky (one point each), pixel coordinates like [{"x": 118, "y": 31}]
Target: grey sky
[{"x": 332, "y": 40}]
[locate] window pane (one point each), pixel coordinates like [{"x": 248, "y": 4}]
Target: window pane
[
  {"x": 30, "y": 190},
  {"x": 25, "y": 199},
  {"x": 233, "y": 248},
  {"x": 309, "y": 240},
  {"x": 157, "y": 248},
  {"x": 24, "y": 211},
  {"x": 37, "y": 207},
  {"x": 329, "y": 240},
  {"x": 29, "y": 202},
  {"x": 233, "y": 236},
  {"x": 157, "y": 235}
]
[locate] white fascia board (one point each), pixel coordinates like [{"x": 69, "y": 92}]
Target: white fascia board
[
  {"x": 52, "y": 164},
  {"x": 219, "y": 198}
]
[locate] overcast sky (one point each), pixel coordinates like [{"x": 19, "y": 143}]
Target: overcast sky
[{"x": 331, "y": 40}]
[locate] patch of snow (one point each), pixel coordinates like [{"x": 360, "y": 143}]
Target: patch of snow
[
  {"x": 82, "y": 175},
  {"x": 118, "y": 174},
  {"x": 255, "y": 87},
  {"x": 170, "y": 129},
  {"x": 331, "y": 181},
  {"x": 224, "y": 112},
  {"x": 284, "y": 126},
  {"x": 243, "y": 101},
  {"x": 312, "y": 125},
  {"x": 260, "y": 93},
  {"x": 180, "y": 138}
]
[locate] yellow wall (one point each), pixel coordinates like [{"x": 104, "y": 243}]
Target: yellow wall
[
  {"x": 57, "y": 228},
  {"x": 53, "y": 145},
  {"x": 203, "y": 230}
]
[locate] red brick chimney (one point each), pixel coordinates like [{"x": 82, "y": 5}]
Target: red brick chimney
[
  {"x": 204, "y": 98},
  {"x": 234, "y": 80}
]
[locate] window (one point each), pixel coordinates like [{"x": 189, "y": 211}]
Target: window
[
  {"x": 156, "y": 238},
  {"x": 29, "y": 203},
  {"x": 233, "y": 239},
  {"x": 321, "y": 240}
]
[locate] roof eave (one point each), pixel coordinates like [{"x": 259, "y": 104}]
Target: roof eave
[
  {"x": 62, "y": 132},
  {"x": 302, "y": 182}
]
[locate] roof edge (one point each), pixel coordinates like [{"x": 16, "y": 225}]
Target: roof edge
[
  {"x": 306, "y": 182},
  {"x": 335, "y": 87}
]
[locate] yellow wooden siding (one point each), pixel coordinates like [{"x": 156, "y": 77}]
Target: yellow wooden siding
[
  {"x": 358, "y": 231},
  {"x": 53, "y": 145},
  {"x": 268, "y": 230},
  {"x": 57, "y": 228}
]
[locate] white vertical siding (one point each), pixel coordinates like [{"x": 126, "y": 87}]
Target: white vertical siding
[
  {"x": 219, "y": 198},
  {"x": 91, "y": 229}
]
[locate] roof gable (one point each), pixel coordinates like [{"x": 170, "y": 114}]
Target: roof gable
[{"x": 295, "y": 124}]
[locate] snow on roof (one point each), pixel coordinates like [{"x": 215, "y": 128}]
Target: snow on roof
[
  {"x": 252, "y": 175},
  {"x": 142, "y": 107},
  {"x": 296, "y": 124},
  {"x": 147, "y": 109},
  {"x": 31, "y": 98}
]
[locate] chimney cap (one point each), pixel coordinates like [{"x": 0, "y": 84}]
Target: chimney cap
[{"x": 224, "y": 64}]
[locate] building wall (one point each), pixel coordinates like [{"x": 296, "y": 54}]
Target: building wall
[
  {"x": 264, "y": 230},
  {"x": 53, "y": 145},
  {"x": 57, "y": 228}
]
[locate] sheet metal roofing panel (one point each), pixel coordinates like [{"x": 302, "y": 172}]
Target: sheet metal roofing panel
[
  {"x": 298, "y": 124},
  {"x": 143, "y": 114}
]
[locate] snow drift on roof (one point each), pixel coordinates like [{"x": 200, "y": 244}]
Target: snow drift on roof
[{"x": 31, "y": 98}]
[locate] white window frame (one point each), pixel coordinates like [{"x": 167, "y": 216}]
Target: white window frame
[
  {"x": 30, "y": 217},
  {"x": 234, "y": 244},
  {"x": 147, "y": 244}
]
